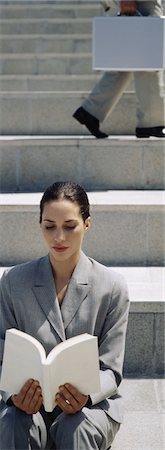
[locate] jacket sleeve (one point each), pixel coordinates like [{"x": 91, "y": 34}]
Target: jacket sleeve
[
  {"x": 112, "y": 341},
  {"x": 7, "y": 318}
]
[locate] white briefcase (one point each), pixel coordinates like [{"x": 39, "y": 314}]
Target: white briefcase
[{"x": 128, "y": 43}]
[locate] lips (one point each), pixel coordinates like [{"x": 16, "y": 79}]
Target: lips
[{"x": 60, "y": 249}]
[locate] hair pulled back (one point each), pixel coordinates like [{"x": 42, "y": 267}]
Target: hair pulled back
[{"x": 69, "y": 191}]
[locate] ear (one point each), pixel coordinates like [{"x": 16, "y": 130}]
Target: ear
[{"x": 87, "y": 223}]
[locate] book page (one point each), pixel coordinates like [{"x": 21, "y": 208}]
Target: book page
[
  {"x": 67, "y": 344},
  {"x": 22, "y": 360},
  {"x": 77, "y": 364}
]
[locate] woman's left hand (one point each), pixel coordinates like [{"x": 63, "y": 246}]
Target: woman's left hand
[{"x": 69, "y": 399}]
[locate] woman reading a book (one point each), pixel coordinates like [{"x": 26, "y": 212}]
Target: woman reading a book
[{"x": 54, "y": 298}]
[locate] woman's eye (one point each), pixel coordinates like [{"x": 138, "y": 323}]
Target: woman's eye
[{"x": 66, "y": 227}]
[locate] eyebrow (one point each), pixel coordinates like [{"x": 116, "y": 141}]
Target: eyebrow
[{"x": 53, "y": 221}]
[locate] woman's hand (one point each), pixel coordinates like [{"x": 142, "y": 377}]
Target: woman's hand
[
  {"x": 29, "y": 398},
  {"x": 69, "y": 399},
  {"x": 128, "y": 7}
]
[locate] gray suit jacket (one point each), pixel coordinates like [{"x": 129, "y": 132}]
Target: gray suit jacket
[{"x": 96, "y": 302}]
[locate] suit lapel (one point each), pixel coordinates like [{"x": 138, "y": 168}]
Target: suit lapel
[
  {"x": 45, "y": 293},
  {"x": 77, "y": 290}
]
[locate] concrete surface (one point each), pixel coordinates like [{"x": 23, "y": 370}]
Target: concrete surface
[
  {"x": 46, "y": 83},
  {"x": 127, "y": 227},
  {"x": 50, "y": 113},
  {"x": 92, "y": 163},
  {"x": 143, "y": 427},
  {"x": 38, "y": 26},
  {"x": 40, "y": 9},
  {"x": 46, "y": 43}
]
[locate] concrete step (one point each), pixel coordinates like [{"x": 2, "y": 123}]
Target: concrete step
[
  {"x": 146, "y": 330},
  {"x": 50, "y": 113},
  {"x": 45, "y": 63},
  {"x": 144, "y": 354},
  {"x": 48, "y": 10},
  {"x": 144, "y": 412},
  {"x": 40, "y": 64},
  {"x": 55, "y": 43},
  {"x": 47, "y": 83},
  {"x": 122, "y": 162},
  {"x": 37, "y": 26},
  {"x": 128, "y": 228},
  {"x": 47, "y": 2}
]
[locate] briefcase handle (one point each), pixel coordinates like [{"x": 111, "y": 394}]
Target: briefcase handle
[{"x": 137, "y": 13}]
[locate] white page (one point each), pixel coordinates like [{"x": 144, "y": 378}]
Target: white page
[
  {"x": 22, "y": 360},
  {"x": 78, "y": 365}
]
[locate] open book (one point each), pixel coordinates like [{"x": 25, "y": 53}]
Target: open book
[{"x": 74, "y": 361}]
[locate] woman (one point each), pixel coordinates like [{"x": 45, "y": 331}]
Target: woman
[{"x": 54, "y": 298}]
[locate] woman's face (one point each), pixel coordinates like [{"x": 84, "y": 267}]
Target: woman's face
[{"x": 63, "y": 229}]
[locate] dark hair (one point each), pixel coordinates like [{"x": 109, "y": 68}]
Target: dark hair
[{"x": 69, "y": 191}]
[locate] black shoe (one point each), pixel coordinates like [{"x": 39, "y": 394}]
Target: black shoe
[
  {"x": 158, "y": 132},
  {"x": 85, "y": 118}
]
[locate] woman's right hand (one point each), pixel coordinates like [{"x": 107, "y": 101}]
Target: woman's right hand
[{"x": 29, "y": 399}]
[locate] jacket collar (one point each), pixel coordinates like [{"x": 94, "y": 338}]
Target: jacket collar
[
  {"x": 77, "y": 290},
  {"x": 45, "y": 293}
]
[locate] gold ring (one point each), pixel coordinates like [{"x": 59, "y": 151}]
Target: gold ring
[{"x": 67, "y": 401}]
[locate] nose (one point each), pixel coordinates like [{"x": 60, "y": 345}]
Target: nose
[{"x": 59, "y": 235}]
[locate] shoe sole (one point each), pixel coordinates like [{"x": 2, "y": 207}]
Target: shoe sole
[{"x": 144, "y": 136}]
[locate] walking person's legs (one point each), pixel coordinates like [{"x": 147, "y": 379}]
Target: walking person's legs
[
  {"x": 149, "y": 88},
  {"x": 102, "y": 100},
  {"x": 150, "y": 104}
]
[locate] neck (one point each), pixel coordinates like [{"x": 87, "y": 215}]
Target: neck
[{"x": 63, "y": 269}]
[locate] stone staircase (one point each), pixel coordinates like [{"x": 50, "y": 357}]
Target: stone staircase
[
  {"x": 40, "y": 68},
  {"x": 45, "y": 72}
]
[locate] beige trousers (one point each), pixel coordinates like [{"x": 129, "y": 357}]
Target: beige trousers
[{"x": 148, "y": 86}]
